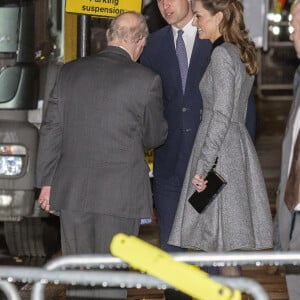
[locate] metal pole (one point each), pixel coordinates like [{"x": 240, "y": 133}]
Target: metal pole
[
  {"x": 265, "y": 25},
  {"x": 83, "y": 35},
  {"x": 258, "y": 258}
]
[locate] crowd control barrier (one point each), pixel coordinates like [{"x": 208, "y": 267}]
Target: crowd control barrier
[
  {"x": 130, "y": 279},
  {"x": 101, "y": 270}
]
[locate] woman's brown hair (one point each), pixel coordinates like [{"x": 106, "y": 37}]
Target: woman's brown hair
[{"x": 232, "y": 28}]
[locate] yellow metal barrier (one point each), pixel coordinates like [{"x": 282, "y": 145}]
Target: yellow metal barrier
[
  {"x": 154, "y": 261},
  {"x": 149, "y": 159}
]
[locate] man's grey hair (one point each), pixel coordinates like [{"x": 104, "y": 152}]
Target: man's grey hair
[{"x": 128, "y": 31}]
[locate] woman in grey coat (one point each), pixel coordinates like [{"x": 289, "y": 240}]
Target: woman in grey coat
[{"x": 239, "y": 218}]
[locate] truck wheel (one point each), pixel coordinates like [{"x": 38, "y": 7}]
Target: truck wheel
[{"x": 33, "y": 236}]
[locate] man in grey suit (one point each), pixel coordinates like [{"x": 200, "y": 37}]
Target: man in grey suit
[
  {"x": 104, "y": 111},
  {"x": 289, "y": 215}
]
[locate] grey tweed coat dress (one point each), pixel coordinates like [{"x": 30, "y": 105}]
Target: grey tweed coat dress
[{"x": 239, "y": 218}]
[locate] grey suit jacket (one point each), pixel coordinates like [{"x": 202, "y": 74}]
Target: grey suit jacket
[
  {"x": 284, "y": 215},
  {"x": 240, "y": 216},
  {"x": 104, "y": 111}
]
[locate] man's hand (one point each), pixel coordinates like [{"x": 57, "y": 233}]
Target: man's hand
[{"x": 44, "y": 198}]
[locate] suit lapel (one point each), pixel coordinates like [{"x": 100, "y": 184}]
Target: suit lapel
[
  {"x": 295, "y": 104},
  {"x": 196, "y": 55},
  {"x": 169, "y": 59},
  {"x": 293, "y": 110},
  {"x": 199, "y": 60},
  {"x": 288, "y": 135},
  {"x": 169, "y": 45}
]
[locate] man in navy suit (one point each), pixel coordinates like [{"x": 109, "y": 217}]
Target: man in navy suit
[{"x": 182, "y": 109}]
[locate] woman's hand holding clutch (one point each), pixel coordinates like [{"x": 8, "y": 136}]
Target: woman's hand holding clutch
[
  {"x": 199, "y": 183},
  {"x": 206, "y": 190}
]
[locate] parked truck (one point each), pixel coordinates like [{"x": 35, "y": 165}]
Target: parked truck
[{"x": 28, "y": 230}]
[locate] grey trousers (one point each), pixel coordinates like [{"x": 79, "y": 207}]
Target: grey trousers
[{"x": 91, "y": 233}]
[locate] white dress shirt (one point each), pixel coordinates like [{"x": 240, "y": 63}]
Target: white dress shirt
[{"x": 188, "y": 37}]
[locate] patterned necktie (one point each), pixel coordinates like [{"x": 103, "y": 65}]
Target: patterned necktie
[
  {"x": 182, "y": 58},
  {"x": 291, "y": 197}
]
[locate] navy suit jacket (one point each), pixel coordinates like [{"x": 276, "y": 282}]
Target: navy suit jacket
[{"x": 182, "y": 112}]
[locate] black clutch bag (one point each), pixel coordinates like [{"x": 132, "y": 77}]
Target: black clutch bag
[{"x": 215, "y": 183}]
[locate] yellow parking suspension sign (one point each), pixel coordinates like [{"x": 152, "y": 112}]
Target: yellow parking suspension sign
[{"x": 103, "y": 8}]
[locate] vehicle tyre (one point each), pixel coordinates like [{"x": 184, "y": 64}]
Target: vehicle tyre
[{"x": 33, "y": 236}]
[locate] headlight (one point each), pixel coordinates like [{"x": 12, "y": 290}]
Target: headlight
[
  {"x": 5, "y": 200},
  {"x": 11, "y": 165},
  {"x": 12, "y": 160}
]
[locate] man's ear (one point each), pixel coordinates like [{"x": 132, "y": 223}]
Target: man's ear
[{"x": 141, "y": 41}]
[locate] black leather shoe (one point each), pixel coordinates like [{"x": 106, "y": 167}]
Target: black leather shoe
[
  {"x": 212, "y": 271},
  {"x": 176, "y": 295}
]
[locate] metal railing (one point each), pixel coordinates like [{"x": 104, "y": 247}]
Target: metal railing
[
  {"x": 274, "y": 80},
  {"x": 9, "y": 290},
  {"x": 98, "y": 271},
  {"x": 276, "y": 66}
]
